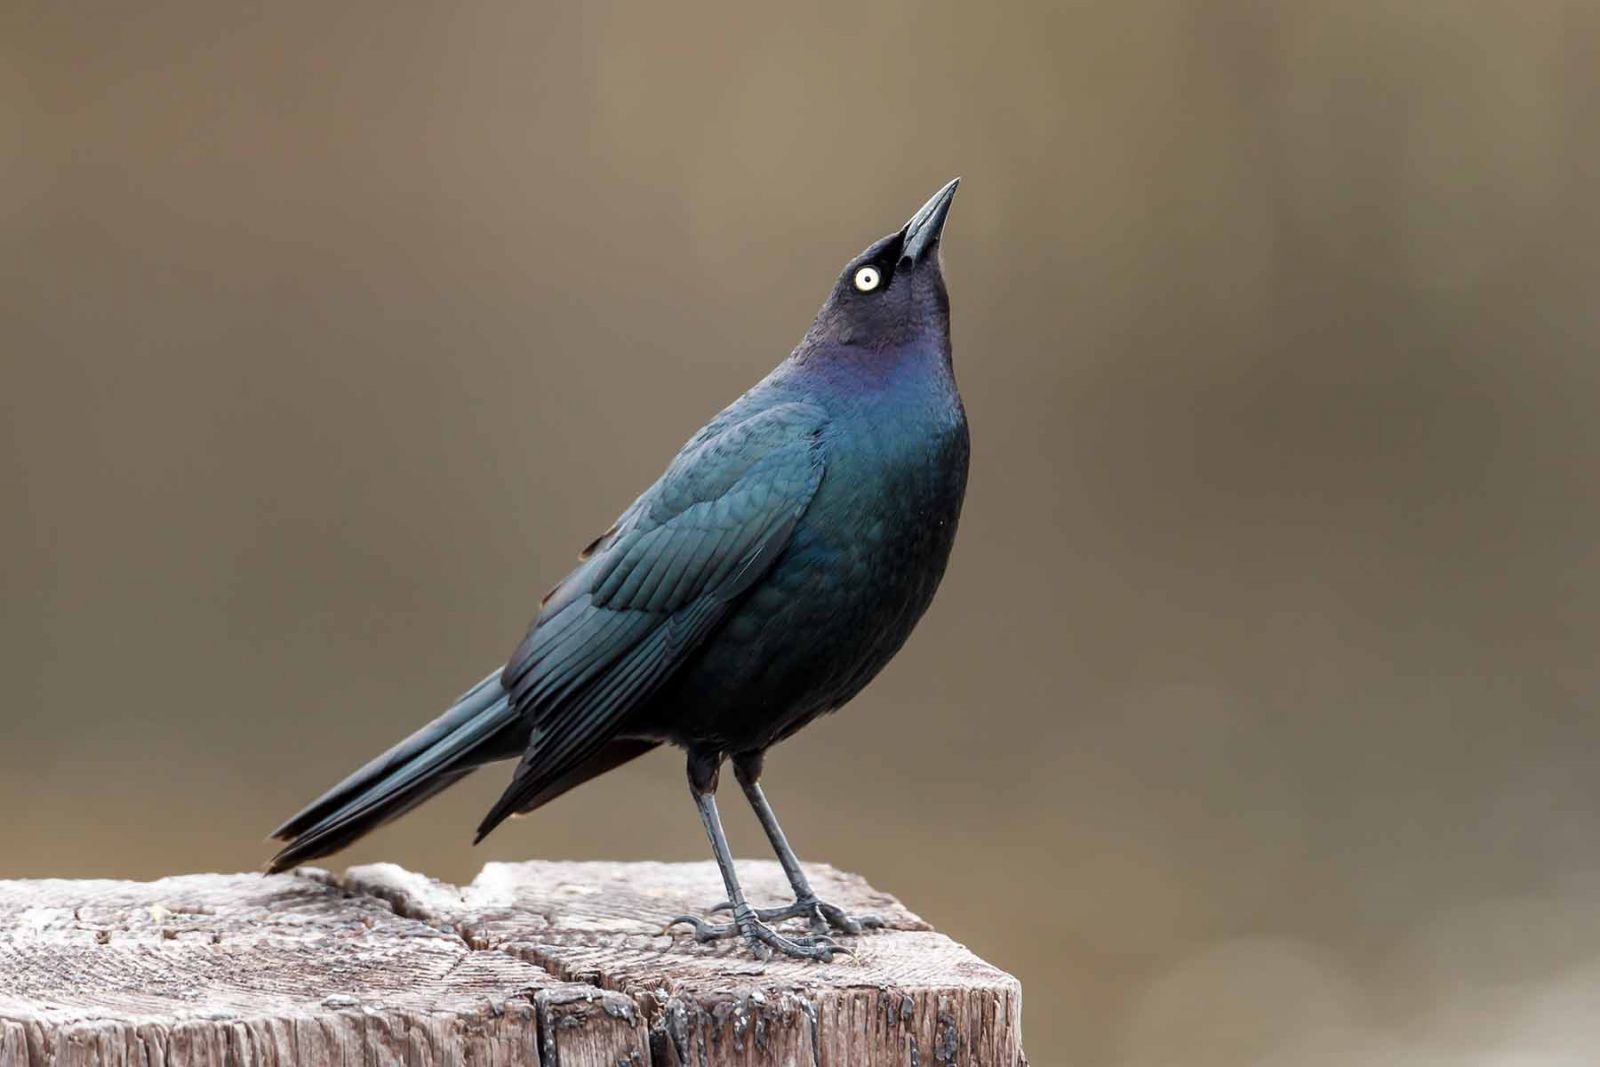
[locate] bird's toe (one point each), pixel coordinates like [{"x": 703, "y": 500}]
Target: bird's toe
[
  {"x": 833, "y": 916},
  {"x": 763, "y": 940},
  {"x": 704, "y": 931}
]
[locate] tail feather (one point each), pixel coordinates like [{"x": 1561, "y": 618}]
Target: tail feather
[
  {"x": 611, "y": 756},
  {"x": 478, "y": 729}
]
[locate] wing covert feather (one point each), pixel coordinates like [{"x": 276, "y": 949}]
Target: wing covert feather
[{"x": 653, "y": 587}]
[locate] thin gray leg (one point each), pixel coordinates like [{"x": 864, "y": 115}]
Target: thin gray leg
[
  {"x": 762, "y": 939},
  {"x": 821, "y": 916}
]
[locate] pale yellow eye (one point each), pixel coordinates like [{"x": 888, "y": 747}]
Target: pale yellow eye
[{"x": 867, "y": 279}]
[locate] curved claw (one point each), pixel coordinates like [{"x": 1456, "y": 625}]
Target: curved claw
[{"x": 704, "y": 931}]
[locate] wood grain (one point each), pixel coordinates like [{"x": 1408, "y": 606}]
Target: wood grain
[
  {"x": 908, "y": 995},
  {"x": 561, "y": 964}
]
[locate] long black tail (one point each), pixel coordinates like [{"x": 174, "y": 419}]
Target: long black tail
[{"x": 479, "y": 728}]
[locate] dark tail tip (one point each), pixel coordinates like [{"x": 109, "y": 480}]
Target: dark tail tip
[
  {"x": 486, "y": 827},
  {"x": 293, "y": 856}
]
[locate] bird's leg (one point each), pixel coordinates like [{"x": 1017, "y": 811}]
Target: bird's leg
[
  {"x": 821, "y": 916},
  {"x": 763, "y": 940}
]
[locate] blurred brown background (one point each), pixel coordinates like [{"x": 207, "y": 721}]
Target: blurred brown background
[{"x": 1255, "y": 720}]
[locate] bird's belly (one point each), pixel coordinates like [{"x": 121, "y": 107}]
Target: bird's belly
[{"x": 833, "y": 610}]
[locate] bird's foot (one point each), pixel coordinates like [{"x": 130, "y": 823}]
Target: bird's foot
[
  {"x": 820, "y": 917},
  {"x": 763, "y": 939}
]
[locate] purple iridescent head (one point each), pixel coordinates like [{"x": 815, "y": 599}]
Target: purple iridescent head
[{"x": 893, "y": 293}]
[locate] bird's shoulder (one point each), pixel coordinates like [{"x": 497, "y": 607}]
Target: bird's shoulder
[
  {"x": 757, "y": 450},
  {"x": 735, "y": 486}
]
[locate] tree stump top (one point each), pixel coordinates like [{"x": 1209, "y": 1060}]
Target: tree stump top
[{"x": 554, "y": 964}]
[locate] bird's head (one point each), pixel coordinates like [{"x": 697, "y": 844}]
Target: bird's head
[{"x": 893, "y": 293}]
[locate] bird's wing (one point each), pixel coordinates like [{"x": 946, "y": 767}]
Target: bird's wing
[{"x": 654, "y": 585}]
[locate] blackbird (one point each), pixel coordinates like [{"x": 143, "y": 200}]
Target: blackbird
[{"x": 768, "y": 575}]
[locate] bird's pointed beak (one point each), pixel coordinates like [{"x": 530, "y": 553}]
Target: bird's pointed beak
[{"x": 921, "y": 235}]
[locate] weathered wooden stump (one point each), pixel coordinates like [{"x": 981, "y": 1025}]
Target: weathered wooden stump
[{"x": 533, "y": 963}]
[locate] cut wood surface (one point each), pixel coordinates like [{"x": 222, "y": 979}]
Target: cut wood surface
[{"x": 553, "y": 964}]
